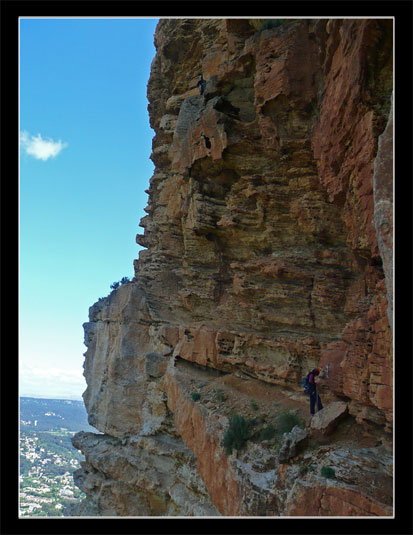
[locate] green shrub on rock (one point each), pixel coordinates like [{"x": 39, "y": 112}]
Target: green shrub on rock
[
  {"x": 237, "y": 433},
  {"x": 254, "y": 405},
  {"x": 269, "y": 24},
  {"x": 287, "y": 420},
  {"x": 328, "y": 472},
  {"x": 115, "y": 285},
  {"x": 266, "y": 433}
]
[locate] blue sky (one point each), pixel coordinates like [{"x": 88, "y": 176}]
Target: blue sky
[{"x": 85, "y": 143}]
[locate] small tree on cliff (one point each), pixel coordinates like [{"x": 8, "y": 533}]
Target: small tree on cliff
[{"x": 123, "y": 280}]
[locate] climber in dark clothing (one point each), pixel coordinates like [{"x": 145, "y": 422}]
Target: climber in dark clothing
[
  {"x": 313, "y": 392},
  {"x": 201, "y": 84}
]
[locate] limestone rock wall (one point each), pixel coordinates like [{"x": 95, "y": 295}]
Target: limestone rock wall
[{"x": 267, "y": 251}]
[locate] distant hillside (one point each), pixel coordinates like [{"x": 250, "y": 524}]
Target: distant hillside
[{"x": 53, "y": 414}]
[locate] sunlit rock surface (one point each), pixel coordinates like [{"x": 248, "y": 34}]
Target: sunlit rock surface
[{"x": 267, "y": 252}]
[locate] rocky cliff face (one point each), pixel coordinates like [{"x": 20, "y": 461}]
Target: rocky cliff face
[{"x": 267, "y": 252}]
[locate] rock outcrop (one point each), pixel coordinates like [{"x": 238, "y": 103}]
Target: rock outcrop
[
  {"x": 292, "y": 441},
  {"x": 326, "y": 420},
  {"x": 267, "y": 251}
]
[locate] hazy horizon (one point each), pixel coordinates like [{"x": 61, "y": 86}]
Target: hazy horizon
[{"x": 45, "y": 396}]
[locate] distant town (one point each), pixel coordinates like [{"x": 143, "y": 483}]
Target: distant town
[{"x": 47, "y": 456}]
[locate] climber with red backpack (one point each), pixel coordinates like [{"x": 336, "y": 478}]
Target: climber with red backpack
[{"x": 310, "y": 388}]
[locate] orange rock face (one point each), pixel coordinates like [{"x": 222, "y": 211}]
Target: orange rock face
[
  {"x": 267, "y": 252},
  {"x": 201, "y": 433},
  {"x": 335, "y": 501},
  {"x": 269, "y": 232}
]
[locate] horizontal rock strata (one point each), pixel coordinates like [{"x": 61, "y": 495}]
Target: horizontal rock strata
[{"x": 266, "y": 251}]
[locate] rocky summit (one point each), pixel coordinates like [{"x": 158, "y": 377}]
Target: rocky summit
[{"x": 266, "y": 252}]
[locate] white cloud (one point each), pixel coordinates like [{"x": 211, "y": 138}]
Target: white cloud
[
  {"x": 51, "y": 382},
  {"x": 64, "y": 375},
  {"x": 39, "y": 148}
]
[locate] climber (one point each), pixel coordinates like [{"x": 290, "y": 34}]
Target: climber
[
  {"x": 314, "y": 396},
  {"x": 201, "y": 84}
]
